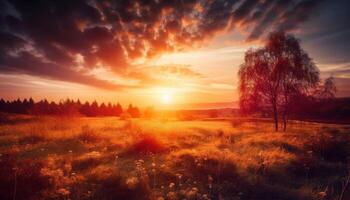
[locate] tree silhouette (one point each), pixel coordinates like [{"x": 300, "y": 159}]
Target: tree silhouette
[
  {"x": 327, "y": 90},
  {"x": 271, "y": 76},
  {"x": 133, "y": 111},
  {"x": 118, "y": 110}
]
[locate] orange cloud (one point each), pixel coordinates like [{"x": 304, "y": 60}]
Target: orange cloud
[{"x": 113, "y": 34}]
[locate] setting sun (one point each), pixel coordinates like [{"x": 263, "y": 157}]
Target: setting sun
[{"x": 166, "y": 98}]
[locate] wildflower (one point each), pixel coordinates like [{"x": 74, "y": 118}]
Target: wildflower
[
  {"x": 205, "y": 197},
  {"x": 132, "y": 182},
  {"x": 171, "y": 185},
  {"x": 67, "y": 167},
  {"x": 70, "y": 151},
  {"x": 73, "y": 173},
  {"x": 153, "y": 164},
  {"x": 171, "y": 195},
  {"x": 195, "y": 189},
  {"x": 182, "y": 192},
  {"x": 63, "y": 191},
  {"x": 160, "y": 198},
  {"x": 179, "y": 176},
  {"x": 192, "y": 193},
  {"x": 210, "y": 178},
  {"x": 322, "y": 194}
]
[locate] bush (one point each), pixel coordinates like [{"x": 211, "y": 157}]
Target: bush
[
  {"x": 148, "y": 144},
  {"x": 333, "y": 148}
]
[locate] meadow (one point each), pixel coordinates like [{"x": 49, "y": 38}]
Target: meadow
[{"x": 157, "y": 159}]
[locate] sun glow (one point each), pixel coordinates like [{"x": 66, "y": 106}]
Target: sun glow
[
  {"x": 166, "y": 95},
  {"x": 166, "y": 98}
]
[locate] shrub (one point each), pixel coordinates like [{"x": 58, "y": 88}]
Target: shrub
[
  {"x": 330, "y": 147},
  {"x": 148, "y": 144}
]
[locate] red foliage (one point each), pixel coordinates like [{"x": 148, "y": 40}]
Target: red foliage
[{"x": 148, "y": 144}]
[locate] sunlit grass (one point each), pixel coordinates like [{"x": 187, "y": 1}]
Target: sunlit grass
[{"x": 108, "y": 158}]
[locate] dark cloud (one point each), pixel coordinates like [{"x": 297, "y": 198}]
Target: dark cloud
[
  {"x": 280, "y": 15},
  {"x": 326, "y": 34},
  {"x": 37, "y": 67},
  {"x": 47, "y": 37}
]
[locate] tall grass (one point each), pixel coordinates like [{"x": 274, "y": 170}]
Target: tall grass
[{"x": 108, "y": 158}]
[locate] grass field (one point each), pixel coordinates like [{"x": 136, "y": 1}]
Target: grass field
[{"x": 108, "y": 158}]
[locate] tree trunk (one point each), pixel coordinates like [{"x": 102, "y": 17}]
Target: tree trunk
[
  {"x": 284, "y": 122},
  {"x": 275, "y": 114}
]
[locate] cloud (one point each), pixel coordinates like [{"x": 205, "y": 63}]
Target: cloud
[
  {"x": 163, "y": 74},
  {"x": 178, "y": 70},
  {"x": 19, "y": 65},
  {"x": 326, "y": 34},
  {"x": 45, "y": 37}
]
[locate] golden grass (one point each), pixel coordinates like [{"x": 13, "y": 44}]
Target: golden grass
[{"x": 109, "y": 158}]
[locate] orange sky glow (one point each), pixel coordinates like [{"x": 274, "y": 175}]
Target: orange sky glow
[
  {"x": 161, "y": 54},
  {"x": 197, "y": 76}
]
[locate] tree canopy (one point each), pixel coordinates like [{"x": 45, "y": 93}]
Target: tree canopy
[{"x": 273, "y": 75}]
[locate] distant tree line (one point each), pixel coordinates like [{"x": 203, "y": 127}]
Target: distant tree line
[
  {"x": 66, "y": 108},
  {"x": 321, "y": 109}
]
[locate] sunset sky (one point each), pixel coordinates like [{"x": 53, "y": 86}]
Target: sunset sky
[{"x": 156, "y": 52}]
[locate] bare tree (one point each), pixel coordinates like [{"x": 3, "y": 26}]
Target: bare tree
[{"x": 273, "y": 75}]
